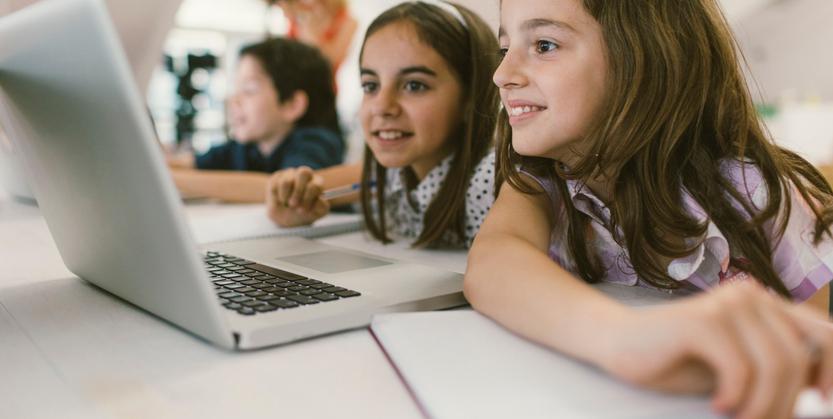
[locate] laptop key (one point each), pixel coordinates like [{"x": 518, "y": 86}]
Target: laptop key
[
  {"x": 223, "y": 282},
  {"x": 228, "y": 294},
  {"x": 284, "y": 303},
  {"x": 256, "y": 294},
  {"x": 302, "y": 299},
  {"x": 307, "y": 282},
  {"x": 265, "y": 308},
  {"x": 241, "y": 299},
  {"x": 321, "y": 286},
  {"x": 232, "y": 306},
  {"x": 245, "y": 290},
  {"x": 253, "y": 303},
  {"x": 244, "y": 262},
  {"x": 234, "y": 287},
  {"x": 347, "y": 294},
  {"x": 310, "y": 292},
  {"x": 277, "y": 272},
  {"x": 298, "y": 288},
  {"x": 334, "y": 289},
  {"x": 325, "y": 296},
  {"x": 251, "y": 282},
  {"x": 246, "y": 311}
]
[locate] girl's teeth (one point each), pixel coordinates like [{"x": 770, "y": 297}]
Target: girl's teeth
[
  {"x": 520, "y": 110},
  {"x": 390, "y": 135}
]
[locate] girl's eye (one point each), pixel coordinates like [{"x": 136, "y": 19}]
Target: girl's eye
[
  {"x": 369, "y": 86},
  {"x": 415, "y": 86},
  {"x": 502, "y": 52},
  {"x": 543, "y": 46}
]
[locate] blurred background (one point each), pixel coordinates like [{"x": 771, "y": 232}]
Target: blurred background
[{"x": 786, "y": 44}]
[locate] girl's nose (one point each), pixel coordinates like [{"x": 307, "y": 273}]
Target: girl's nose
[
  {"x": 385, "y": 103},
  {"x": 509, "y": 73}
]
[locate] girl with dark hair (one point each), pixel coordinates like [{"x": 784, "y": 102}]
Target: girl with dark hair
[
  {"x": 282, "y": 114},
  {"x": 633, "y": 155},
  {"x": 428, "y": 115}
]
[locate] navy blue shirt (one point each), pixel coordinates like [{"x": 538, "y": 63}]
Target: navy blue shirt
[{"x": 314, "y": 147}]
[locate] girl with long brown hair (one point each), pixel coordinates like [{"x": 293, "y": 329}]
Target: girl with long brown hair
[
  {"x": 632, "y": 154},
  {"x": 428, "y": 114}
]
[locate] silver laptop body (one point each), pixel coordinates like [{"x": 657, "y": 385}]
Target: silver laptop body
[{"x": 68, "y": 102}]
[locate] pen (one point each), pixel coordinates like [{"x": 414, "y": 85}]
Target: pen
[{"x": 343, "y": 190}]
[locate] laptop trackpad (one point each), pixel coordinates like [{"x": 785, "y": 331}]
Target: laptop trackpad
[{"x": 333, "y": 261}]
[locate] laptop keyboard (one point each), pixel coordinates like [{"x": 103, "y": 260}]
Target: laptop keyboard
[{"x": 250, "y": 288}]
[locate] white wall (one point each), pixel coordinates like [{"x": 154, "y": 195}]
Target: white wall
[{"x": 788, "y": 47}]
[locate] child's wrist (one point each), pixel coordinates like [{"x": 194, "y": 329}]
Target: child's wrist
[{"x": 611, "y": 331}]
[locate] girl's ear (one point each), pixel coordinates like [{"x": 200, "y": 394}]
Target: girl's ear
[{"x": 296, "y": 107}]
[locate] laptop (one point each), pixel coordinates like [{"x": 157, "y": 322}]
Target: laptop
[
  {"x": 69, "y": 104},
  {"x": 12, "y": 179}
]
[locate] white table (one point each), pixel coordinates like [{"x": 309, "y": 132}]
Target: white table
[{"x": 69, "y": 350}]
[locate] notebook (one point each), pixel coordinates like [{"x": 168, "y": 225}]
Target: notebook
[
  {"x": 215, "y": 223},
  {"x": 460, "y": 364}
]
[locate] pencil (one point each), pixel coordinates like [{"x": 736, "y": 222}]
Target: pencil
[{"x": 345, "y": 190}]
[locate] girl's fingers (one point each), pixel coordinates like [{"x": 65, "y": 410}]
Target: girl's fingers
[
  {"x": 286, "y": 184},
  {"x": 790, "y": 340},
  {"x": 320, "y": 208},
  {"x": 720, "y": 348},
  {"x": 769, "y": 365},
  {"x": 311, "y": 194},
  {"x": 818, "y": 335},
  {"x": 303, "y": 175}
]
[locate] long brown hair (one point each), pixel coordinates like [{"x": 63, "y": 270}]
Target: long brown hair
[
  {"x": 470, "y": 50},
  {"x": 676, "y": 106}
]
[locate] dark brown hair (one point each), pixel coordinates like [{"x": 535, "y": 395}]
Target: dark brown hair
[
  {"x": 293, "y": 66},
  {"x": 470, "y": 51},
  {"x": 677, "y": 106}
]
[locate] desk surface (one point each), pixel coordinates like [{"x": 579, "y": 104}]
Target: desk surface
[{"x": 69, "y": 350}]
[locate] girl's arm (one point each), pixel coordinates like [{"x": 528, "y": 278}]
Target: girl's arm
[
  {"x": 230, "y": 186},
  {"x": 511, "y": 279},
  {"x": 753, "y": 350}
]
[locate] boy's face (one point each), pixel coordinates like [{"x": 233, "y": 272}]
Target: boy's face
[
  {"x": 411, "y": 101},
  {"x": 255, "y": 114},
  {"x": 553, "y": 75}
]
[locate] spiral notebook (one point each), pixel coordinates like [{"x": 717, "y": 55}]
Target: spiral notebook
[{"x": 216, "y": 223}]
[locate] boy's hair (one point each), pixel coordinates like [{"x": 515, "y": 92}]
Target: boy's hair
[
  {"x": 470, "y": 50},
  {"x": 676, "y": 105},
  {"x": 294, "y": 66}
]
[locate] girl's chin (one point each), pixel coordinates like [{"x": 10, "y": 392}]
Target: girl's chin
[{"x": 390, "y": 162}]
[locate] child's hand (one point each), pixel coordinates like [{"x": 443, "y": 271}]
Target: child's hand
[
  {"x": 293, "y": 197},
  {"x": 752, "y": 350}
]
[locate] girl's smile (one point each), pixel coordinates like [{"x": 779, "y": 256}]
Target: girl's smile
[{"x": 520, "y": 111}]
